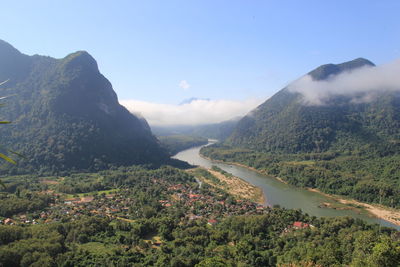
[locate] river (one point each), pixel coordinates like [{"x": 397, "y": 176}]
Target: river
[{"x": 278, "y": 193}]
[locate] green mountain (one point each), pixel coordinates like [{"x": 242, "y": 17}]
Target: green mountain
[
  {"x": 284, "y": 124},
  {"x": 65, "y": 115},
  {"x": 341, "y": 146}
]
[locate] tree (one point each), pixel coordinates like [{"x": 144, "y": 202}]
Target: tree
[
  {"x": 212, "y": 262},
  {"x": 2, "y": 155},
  {"x": 385, "y": 253}
]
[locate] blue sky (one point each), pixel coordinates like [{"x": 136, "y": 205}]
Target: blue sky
[{"x": 233, "y": 50}]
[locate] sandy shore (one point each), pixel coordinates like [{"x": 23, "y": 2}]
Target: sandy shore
[
  {"x": 237, "y": 187},
  {"x": 379, "y": 211},
  {"x": 385, "y": 213},
  {"x": 240, "y": 187}
]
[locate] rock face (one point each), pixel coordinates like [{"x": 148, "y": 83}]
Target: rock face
[
  {"x": 284, "y": 124},
  {"x": 66, "y": 115}
]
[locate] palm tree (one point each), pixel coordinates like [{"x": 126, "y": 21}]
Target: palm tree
[{"x": 2, "y": 155}]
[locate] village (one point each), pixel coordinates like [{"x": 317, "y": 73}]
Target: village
[
  {"x": 198, "y": 204},
  {"x": 205, "y": 202}
]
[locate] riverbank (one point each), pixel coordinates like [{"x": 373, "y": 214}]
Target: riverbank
[
  {"x": 235, "y": 186},
  {"x": 379, "y": 211},
  {"x": 373, "y": 210},
  {"x": 244, "y": 166}
]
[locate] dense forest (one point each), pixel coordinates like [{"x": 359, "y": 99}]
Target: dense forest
[
  {"x": 175, "y": 143},
  {"x": 347, "y": 145},
  {"x": 286, "y": 124},
  {"x": 359, "y": 176},
  {"x": 150, "y": 224},
  {"x": 66, "y": 116}
]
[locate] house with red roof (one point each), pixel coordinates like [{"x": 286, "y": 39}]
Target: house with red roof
[
  {"x": 300, "y": 225},
  {"x": 212, "y": 222}
]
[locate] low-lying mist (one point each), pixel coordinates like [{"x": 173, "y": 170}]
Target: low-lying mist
[
  {"x": 362, "y": 84},
  {"x": 194, "y": 113}
]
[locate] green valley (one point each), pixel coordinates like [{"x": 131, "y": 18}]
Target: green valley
[
  {"x": 94, "y": 187},
  {"x": 160, "y": 217},
  {"x": 340, "y": 147}
]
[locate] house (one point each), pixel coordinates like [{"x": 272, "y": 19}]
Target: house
[
  {"x": 194, "y": 217},
  {"x": 8, "y": 221},
  {"x": 85, "y": 199},
  {"x": 212, "y": 222},
  {"x": 300, "y": 225}
]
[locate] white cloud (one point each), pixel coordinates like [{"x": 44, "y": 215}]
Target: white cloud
[
  {"x": 361, "y": 84},
  {"x": 184, "y": 85},
  {"x": 193, "y": 113}
]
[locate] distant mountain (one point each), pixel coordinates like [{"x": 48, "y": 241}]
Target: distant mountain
[
  {"x": 285, "y": 124},
  {"x": 190, "y": 100},
  {"x": 66, "y": 115},
  {"x": 219, "y": 131}
]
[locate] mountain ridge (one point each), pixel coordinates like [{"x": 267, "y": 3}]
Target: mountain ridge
[
  {"x": 341, "y": 147},
  {"x": 284, "y": 124},
  {"x": 71, "y": 113},
  {"x": 324, "y": 71}
]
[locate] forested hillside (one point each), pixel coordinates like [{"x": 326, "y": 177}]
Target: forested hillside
[
  {"x": 285, "y": 124},
  {"x": 175, "y": 143},
  {"x": 161, "y": 217},
  {"x": 342, "y": 146},
  {"x": 66, "y": 116}
]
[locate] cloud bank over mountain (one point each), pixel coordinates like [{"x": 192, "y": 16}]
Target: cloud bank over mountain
[
  {"x": 199, "y": 111},
  {"x": 361, "y": 84}
]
